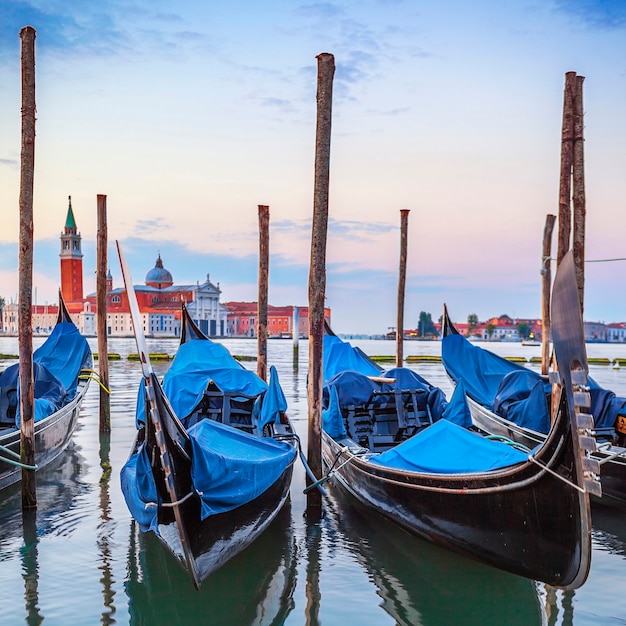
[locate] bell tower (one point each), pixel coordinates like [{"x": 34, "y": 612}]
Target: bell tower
[{"x": 71, "y": 260}]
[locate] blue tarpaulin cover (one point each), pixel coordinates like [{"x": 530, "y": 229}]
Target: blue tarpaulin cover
[
  {"x": 457, "y": 410},
  {"x": 340, "y": 355},
  {"x": 513, "y": 391},
  {"x": 445, "y": 448},
  {"x": 332, "y": 420},
  {"x": 231, "y": 467},
  {"x": 139, "y": 489},
  {"x": 56, "y": 366},
  {"x": 196, "y": 364}
]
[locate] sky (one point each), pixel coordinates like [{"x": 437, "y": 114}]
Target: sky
[{"x": 189, "y": 115}]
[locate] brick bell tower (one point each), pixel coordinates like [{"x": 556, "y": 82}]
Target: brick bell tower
[{"x": 71, "y": 260}]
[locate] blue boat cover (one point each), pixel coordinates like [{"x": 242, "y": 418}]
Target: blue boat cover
[
  {"x": 340, "y": 355},
  {"x": 229, "y": 468},
  {"x": 56, "y": 366},
  {"x": 195, "y": 365},
  {"x": 64, "y": 353},
  {"x": 457, "y": 410},
  {"x": 139, "y": 489},
  {"x": 445, "y": 448},
  {"x": 514, "y": 391},
  {"x": 332, "y": 420}
]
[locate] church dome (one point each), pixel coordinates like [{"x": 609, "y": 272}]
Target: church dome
[{"x": 158, "y": 276}]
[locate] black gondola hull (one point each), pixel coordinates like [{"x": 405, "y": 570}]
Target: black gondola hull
[
  {"x": 613, "y": 475},
  {"x": 218, "y": 538},
  {"x": 52, "y": 436},
  {"x": 525, "y": 520}
]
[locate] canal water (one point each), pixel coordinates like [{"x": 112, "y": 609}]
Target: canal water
[{"x": 81, "y": 560}]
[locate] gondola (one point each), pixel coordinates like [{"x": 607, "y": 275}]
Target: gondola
[
  {"x": 525, "y": 512},
  {"x": 510, "y": 400},
  {"x": 61, "y": 373},
  {"x": 212, "y": 463}
]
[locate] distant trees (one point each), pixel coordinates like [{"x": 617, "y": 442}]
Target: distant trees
[
  {"x": 472, "y": 322},
  {"x": 523, "y": 330},
  {"x": 425, "y": 325}
]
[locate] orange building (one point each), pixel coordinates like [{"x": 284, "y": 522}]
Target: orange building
[{"x": 243, "y": 320}]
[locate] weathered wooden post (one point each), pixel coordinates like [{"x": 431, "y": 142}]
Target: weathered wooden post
[
  {"x": 546, "y": 284},
  {"x": 296, "y": 337},
  {"x": 565, "y": 186},
  {"x": 264, "y": 220},
  {"x": 101, "y": 314},
  {"x": 404, "y": 221},
  {"x": 578, "y": 193},
  {"x": 317, "y": 272},
  {"x": 25, "y": 271}
]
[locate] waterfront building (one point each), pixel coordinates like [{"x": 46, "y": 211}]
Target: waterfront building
[
  {"x": 159, "y": 298},
  {"x": 243, "y": 320},
  {"x": 616, "y": 333}
]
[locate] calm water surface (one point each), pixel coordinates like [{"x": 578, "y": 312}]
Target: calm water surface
[{"x": 81, "y": 561}]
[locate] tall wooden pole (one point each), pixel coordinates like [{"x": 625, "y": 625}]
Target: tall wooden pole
[
  {"x": 565, "y": 186},
  {"x": 264, "y": 235},
  {"x": 296, "y": 337},
  {"x": 25, "y": 270},
  {"x": 546, "y": 283},
  {"x": 101, "y": 313},
  {"x": 578, "y": 192},
  {"x": 317, "y": 272},
  {"x": 404, "y": 222}
]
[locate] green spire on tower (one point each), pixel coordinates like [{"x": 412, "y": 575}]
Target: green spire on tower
[{"x": 70, "y": 222}]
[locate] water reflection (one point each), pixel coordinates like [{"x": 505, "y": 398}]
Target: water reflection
[
  {"x": 609, "y": 530},
  {"x": 255, "y": 587},
  {"x": 420, "y": 583},
  {"x": 58, "y": 488},
  {"x": 30, "y": 568},
  {"x": 105, "y": 530}
]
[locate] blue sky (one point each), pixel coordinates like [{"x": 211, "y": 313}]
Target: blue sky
[{"x": 189, "y": 115}]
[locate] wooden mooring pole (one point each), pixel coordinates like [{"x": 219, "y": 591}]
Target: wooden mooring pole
[
  {"x": 296, "y": 337},
  {"x": 404, "y": 222},
  {"x": 101, "y": 314},
  {"x": 546, "y": 284},
  {"x": 264, "y": 236},
  {"x": 25, "y": 271},
  {"x": 317, "y": 274}
]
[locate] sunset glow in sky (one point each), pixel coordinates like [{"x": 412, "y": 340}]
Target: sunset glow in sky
[{"x": 189, "y": 115}]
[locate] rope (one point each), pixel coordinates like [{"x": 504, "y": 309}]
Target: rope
[
  {"x": 149, "y": 505},
  {"x": 532, "y": 459},
  {"x": 12, "y": 461},
  {"x": 93, "y": 375},
  {"x": 547, "y": 258},
  {"x": 509, "y": 442}
]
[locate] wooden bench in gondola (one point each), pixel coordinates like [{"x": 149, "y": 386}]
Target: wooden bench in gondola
[
  {"x": 232, "y": 409},
  {"x": 387, "y": 418}
]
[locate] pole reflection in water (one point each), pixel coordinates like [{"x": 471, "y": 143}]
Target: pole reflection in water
[
  {"x": 30, "y": 567},
  {"x": 58, "y": 487},
  {"x": 104, "y": 530},
  {"x": 420, "y": 583},
  {"x": 256, "y": 587},
  {"x": 313, "y": 598}
]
